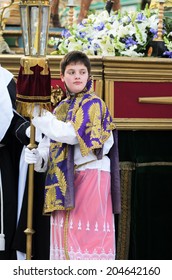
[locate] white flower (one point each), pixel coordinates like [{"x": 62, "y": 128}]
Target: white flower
[
  {"x": 118, "y": 34},
  {"x": 131, "y": 52}
]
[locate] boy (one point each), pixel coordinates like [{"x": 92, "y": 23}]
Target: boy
[{"x": 78, "y": 188}]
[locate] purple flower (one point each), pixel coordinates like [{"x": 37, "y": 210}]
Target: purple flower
[
  {"x": 90, "y": 39},
  {"x": 100, "y": 27},
  {"x": 140, "y": 17},
  {"x": 129, "y": 41},
  {"x": 82, "y": 34},
  {"x": 81, "y": 24},
  {"x": 154, "y": 33},
  {"x": 129, "y": 19},
  {"x": 65, "y": 33},
  {"x": 167, "y": 54},
  {"x": 96, "y": 46}
]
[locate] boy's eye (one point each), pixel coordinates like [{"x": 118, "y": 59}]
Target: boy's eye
[
  {"x": 71, "y": 72},
  {"x": 82, "y": 72}
]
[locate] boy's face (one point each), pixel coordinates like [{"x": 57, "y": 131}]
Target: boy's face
[{"x": 75, "y": 77}]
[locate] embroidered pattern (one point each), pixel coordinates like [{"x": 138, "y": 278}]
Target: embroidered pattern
[
  {"x": 92, "y": 122},
  {"x": 58, "y": 254}
]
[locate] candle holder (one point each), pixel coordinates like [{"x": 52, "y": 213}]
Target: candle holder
[
  {"x": 160, "y": 23},
  {"x": 157, "y": 46},
  {"x": 71, "y": 14}
]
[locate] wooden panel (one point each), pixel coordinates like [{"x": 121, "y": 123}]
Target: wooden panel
[
  {"x": 128, "y": 81},
  {"x": 139, "y": 100}
]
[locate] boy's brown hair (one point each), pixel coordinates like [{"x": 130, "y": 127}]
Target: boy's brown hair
[{"x": 75, "y": 56}]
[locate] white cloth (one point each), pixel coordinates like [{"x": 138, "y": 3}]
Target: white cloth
[
  {"x": 6, "y": 115},
  {"x": 6, "y": 110},
  {"x": 55, "y": 129},
  {"x": 23, "y": 167},
  {"x": 58, "y": 129}
]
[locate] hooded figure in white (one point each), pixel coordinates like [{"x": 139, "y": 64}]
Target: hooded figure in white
[{"x": 12, "y": 138}]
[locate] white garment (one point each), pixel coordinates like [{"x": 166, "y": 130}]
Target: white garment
[
  {"x": 102, "y": 217},
  {"x": 6, "y": 115},
  {"x": 6, "y": 110},
  {"x": 23, "y": 167},
  {"x": 56, "y": 130},
  {"x": 61, "y": 128}
]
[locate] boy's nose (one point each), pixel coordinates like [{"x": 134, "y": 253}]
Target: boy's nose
[{"x": 77, "y": 75}]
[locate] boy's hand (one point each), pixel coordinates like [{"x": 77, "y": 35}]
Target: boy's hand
[{"x": 32, "y": 156}]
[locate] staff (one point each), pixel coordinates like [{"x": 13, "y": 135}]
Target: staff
[{"x": 34, "y": 82}]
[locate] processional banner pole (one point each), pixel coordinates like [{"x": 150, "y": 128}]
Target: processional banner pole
[{"x": 33, "y": 83}]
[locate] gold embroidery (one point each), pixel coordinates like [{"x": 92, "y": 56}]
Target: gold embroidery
[
  {"x": 94, "y": 129},
  {"x": 66, "y": 235},
  {"x": 50, "y": 197},
  {"x": 54, "y": 169}
]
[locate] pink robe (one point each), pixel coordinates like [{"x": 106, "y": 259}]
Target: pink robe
[{"x": 90, "y": 226}]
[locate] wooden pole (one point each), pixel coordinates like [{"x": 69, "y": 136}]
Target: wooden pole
[{"x": 29, "y": 230}]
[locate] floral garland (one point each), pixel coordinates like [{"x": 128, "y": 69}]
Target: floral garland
[{"x": 127, "y": 33}]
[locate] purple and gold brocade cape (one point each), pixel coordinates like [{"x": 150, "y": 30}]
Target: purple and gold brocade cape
[{"x": 92, "y": 122}]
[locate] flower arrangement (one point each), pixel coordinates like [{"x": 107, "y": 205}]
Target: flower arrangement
[{"x": 126, "y": 33}]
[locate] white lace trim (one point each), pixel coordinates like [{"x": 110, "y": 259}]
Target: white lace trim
[
  {"x": 105, "y": 227},
  {"x": 58, "y": 254}
]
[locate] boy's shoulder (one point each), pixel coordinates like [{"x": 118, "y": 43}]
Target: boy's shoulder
[{"x": 94, "y": 96}]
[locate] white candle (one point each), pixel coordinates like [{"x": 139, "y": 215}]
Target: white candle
[{"x": 70, "y": 2}]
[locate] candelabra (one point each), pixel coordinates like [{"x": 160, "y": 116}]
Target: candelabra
[
  {"x": 160, "y": 23},
  {"x": 157, "y": 47},
  {"x": 71, "y": 6}
]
